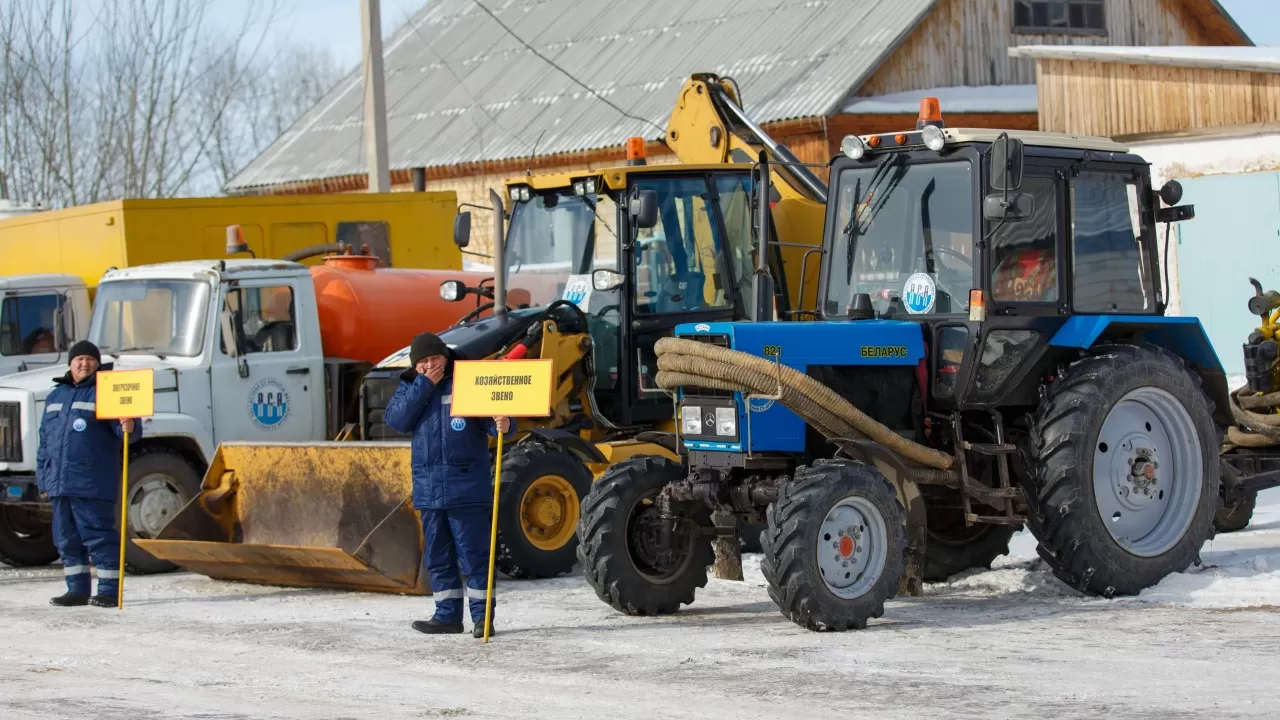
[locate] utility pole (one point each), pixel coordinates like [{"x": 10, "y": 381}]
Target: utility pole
[{"x": 375, "y": 99}]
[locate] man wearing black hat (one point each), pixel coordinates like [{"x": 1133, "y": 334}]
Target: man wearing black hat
[
  {"x": 452, "y": 483},
  {"x": 78, "y": 468}
]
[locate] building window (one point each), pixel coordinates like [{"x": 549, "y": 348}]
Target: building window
[{"x": 1059, "y": 17}]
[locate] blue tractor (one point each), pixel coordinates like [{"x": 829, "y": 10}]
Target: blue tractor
[{"x": 989, "y": 351}]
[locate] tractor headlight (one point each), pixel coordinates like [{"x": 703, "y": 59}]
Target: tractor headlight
[
  {"x": 691, "y": 419},
  {"x": 579, "y": 188},
  {"x": 932, "y": 137},
  {"x": 591, "y": 186},
  {"x": 524, "y": 193},
  {"x": 853, "y": 147},
  {"x": 726, "y": 422}
]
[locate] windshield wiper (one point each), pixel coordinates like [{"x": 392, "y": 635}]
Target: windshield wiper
[
  {"x": 122, "y": 351},
  {"x": 876, "y": 178}
]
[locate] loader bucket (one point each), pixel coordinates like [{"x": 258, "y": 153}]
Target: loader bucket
[{"x": 328, "y": 514}]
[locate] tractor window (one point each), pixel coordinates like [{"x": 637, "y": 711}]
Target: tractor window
[
  {"x": 1025, "y": 253},
  {"x": 1109, "y": 260},
  {"x": 678, "y": 267},
  {"x": 735, "y": 208}
]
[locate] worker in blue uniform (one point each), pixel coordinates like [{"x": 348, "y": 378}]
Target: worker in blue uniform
[
  {"x": 78, "y": 467},
  {"x": 452, "y": 483}
]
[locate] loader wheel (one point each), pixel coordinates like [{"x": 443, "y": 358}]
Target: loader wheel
[
  {"x": 1236, "y": 516},
  {"x": 621, "y": 553},
  {"x": 1125, "y": 474},
  {"x": 26, "y": 540},
  {"x": 538, "y": 508},
  {"x": 953, "y": 546},
  {"x": 836, "y": 545},
  {"x": 161, "y": 482}
]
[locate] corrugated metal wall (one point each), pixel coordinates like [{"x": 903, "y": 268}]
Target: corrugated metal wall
[
  {"x": 1117, "y": 100},
  {"x": 966, "y": 42}
]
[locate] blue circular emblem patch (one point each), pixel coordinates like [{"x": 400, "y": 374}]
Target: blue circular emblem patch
[
  {"x": 268, "y": 404},
  {"x": 79, "y": 425},
  {"x": 458, "y": 424},
  {"x": 919, "y": 294}
]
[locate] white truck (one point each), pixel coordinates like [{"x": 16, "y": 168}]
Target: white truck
[
  {"x": 236, "y": 347},
  {"x": 40, "y": 317}
]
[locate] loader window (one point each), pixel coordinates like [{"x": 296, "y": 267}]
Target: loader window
[
  {"x": 555, "y": 235},
  {"x": 1109, "y": 262},
  {"x": 268, "y": 316},
  {"x": 27, "y": 325},
  {"x": 679, "y": 263}
]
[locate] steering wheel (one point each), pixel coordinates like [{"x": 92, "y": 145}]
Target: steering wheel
[
  {"x": 616, "y": 308},
  {"x": 476, "y": 313},
  {"x": 942, "y": 270}
]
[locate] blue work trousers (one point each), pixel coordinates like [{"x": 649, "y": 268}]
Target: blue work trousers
[
  {"x": 458, "y": 538},
  {"x": 84, "y": 529}
]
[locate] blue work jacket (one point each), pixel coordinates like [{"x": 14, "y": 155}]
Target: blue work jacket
[
  {"x": 79, "y": 455},
  {"x": 451, "y": 462}
]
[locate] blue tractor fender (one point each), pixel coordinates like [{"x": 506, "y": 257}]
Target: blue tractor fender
[{"x": 1183, "y": 336}]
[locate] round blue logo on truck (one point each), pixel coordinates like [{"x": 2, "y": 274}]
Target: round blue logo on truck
[
  {"x": 268, "y": 404},
  {"x": 919, "y": 294}
]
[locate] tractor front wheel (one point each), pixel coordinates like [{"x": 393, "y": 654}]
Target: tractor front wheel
[
  {"x": 538, "y": 508},
  {"x": 1125, "y": 473},
  {"x": 623, "y": 555},
  {"x": 836, "y": 545}
]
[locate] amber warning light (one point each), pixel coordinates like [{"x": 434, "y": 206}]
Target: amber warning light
[
  {"x": 635, "y": 151},
  {"x": 930, "y": 113}
]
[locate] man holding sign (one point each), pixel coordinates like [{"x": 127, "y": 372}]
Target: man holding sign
[
  {"x": 78, "y": 466},
  {"x": 452, "y": 483}
]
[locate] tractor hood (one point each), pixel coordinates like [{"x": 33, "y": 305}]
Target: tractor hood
[{"x": 475, "y": 340}]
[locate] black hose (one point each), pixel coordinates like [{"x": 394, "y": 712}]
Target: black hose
[{"x": 306, "y": 252}]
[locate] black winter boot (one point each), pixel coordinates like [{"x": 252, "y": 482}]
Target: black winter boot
[
  {"x": 69, "y": 600},
  {"x": 107, "y": 601},
  {"x": 435, "y": 627},
  {"x": 478, "y": 630}
]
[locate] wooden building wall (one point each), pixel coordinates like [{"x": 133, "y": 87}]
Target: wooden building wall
[
  {"x": 966, "y": 42},
  {"x": 1123, "y": 100}
]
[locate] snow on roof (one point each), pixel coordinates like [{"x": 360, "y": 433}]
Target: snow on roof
[
  {"x": 1251, "y": 59},
  {"x": 959, "y": 99}
]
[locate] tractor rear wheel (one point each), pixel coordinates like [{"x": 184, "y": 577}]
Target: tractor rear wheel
[
  {"x": 621, "y": 552},
  {"x": 836, "y": 545},
  {"x": 538, "y": 508},
  {"x": 1125, "y": 475},
  {"x": 1236, "y": 516},
  {"x": 26, "y": 539}
]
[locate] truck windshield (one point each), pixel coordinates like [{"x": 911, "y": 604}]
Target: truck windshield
[
  {"x": 555, "y": 235},
  {"x": 904, "y": 236},
  {"x": 160, "y": 317}
]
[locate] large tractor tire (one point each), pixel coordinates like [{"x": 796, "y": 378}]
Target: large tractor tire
[
  {"x": 538, "y": 509},
  {"x": 953, "y": 546},
  {"x": 26, "y": 540},
  {"x": 161, "y": 482},
  {"x": 1125, "y": 476},
  {"x": 1236, "y": 516},
  {"x": 836, "y": 546},
  {"x": 619, "y": 551}
]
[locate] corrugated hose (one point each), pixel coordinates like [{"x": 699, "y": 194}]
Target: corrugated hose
[
  {"x": 1254, "y": 429},
  {"x": 689, "y": 363}
]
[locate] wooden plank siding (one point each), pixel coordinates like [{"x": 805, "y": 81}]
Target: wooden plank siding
[
  {"x": 1124, "y": 100},
  {"x": 966, "y": 42}
]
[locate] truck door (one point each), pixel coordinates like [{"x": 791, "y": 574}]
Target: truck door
[{"x": 274, "y": 390}]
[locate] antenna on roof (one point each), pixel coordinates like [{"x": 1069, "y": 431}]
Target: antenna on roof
[{"x": 529, "y": 169}]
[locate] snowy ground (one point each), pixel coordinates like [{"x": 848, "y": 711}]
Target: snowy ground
[{"x": 1010, "y": 642}]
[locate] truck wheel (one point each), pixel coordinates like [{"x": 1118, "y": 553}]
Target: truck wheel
[
  {"x": 620, "y": 552},
  {"x": 25, "y": 539},
  {"x": 836, "y": 545},
  {"x": 1236, "y": 516},
  {"x": 953, "y": 546},
  {"x": 538, "y": 507},
  {"x": 1125, "y": 475},
  {"x": 161, "y": 482}
]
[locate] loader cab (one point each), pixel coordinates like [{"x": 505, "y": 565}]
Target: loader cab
[{"x": 991, "y": 241}]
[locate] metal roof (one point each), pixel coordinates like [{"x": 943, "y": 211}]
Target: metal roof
[
  {"x": 461, "y": 89},
  {"x": 1249, "y": 59}
]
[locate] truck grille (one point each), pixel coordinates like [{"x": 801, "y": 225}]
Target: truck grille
[{"x": 10, "y": 432}]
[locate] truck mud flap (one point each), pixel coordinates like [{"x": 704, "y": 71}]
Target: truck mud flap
[{"x": 334, "y": 515}]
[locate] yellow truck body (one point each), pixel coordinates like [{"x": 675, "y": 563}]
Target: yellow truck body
[{"x": 410, "y": 230}]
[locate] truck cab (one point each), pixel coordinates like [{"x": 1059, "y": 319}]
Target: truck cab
[{"x": 40, "y": 317}]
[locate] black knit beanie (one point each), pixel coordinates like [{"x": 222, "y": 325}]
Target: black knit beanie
[
  {"x": 424, "y": 346},
  {"x": 84, "y": 347}
]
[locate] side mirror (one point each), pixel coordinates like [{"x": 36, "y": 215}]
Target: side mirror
[
  {"x": 606, "y": 280},
  {"x": 1017, "y": 206},
  {"x": 644, "y": 208},
  {"x": 1006, "y": 164},
  {"x": 452, "y": 290},
  {"x": 462, "y": 230},
  {"x": 60, "y": 326},
  {"x": 1171, "y": 192}
]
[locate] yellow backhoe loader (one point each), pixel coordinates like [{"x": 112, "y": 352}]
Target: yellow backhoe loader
[{"x": 613, "y": 260}]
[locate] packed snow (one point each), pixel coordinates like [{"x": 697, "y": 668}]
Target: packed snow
[
  {"x": 1008, "y": 642},
  {"x": 959, "y": 99}
]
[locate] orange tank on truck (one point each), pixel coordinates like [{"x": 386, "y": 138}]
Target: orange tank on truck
[{"x": 368, "y": 312}]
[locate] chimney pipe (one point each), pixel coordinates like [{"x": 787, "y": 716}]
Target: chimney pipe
[{"x": 419, "y": 179}]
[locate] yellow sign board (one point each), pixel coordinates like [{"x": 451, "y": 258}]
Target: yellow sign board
[
  {"x": 502, "y": 388},
  {"x": 126, "y": 394}
]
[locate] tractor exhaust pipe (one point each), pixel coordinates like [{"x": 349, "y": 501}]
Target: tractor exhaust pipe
[
  {"x": 762, "y": 308},
  {"x": 499, "y": 259}
]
